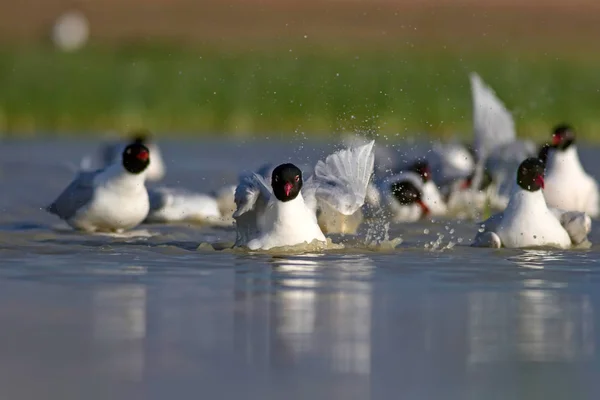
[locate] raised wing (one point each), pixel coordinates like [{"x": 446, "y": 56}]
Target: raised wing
[
  {"x": 79, "y": 193},
  {"x": 493, "y": 124},
  {"x": 342, "y": 179},
  {"x": 251, "y": 198}
]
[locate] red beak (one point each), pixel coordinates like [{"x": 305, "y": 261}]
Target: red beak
[
  {"x": 423, "y": 207},
  {"x": 143, "y": 155},
  {"x": 539, "y": 180},
  {"x": 287, "y": 188},
  {"x": 466, "y": 184},
  {"x": 555, "y": 140}
]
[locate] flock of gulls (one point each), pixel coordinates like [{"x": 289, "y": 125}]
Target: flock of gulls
[{"x": 541, "y": 194}]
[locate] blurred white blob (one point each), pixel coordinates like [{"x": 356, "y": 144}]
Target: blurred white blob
[{"x": 70, "y": 31}]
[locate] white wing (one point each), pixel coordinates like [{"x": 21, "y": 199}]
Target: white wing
[
  {"x": 177, "y": 204},
  {"x": 386, "y": 157},
  {"x": 251, "y": 198},
  {"x": 449, "y": 162},
  {"x": 493, "y": 124},
  {"x": 487, "y": 237},
  {"x": 577, "y": 224},
  {"x": 342, "y": 180}
]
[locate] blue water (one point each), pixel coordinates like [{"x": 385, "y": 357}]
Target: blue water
[{"x": 97, "y": 317}]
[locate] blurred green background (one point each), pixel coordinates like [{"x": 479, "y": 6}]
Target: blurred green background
[{"x": 246, "y": 67}]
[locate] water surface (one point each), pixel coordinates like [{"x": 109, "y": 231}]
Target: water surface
[{"x": 96, "y": 317}]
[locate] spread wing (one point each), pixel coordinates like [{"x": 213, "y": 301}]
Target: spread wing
[
  {"x": 79, "y": 193},
  {"x": 577, "y": 224},
  {"x": 251, "y": 198},
  {"x": 492, "y": 123},
  {"x": 342, "y": 179}
]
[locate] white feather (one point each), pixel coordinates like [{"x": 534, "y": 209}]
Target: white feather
[
  {"x": 493, "y": 124},
  {"x": 252, "y": 196},
  {"x": 342, "y": 179},
  {"x": 173, "y": 204},
  {"x": 567, "y": 185},
  {"x": 527, "y": 222}
]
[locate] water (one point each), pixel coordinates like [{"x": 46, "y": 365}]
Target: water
[{"x": 97, "y": 317}]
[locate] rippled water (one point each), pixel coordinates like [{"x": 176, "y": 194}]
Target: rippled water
[{"x": 96, "y": 317}]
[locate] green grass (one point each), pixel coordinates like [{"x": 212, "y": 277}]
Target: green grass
[{"x": 316, "y": 91}]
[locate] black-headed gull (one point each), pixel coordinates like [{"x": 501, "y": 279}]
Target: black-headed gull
[
  {"x": 400, "y": 198},
  {"x": 110, "y": 153},
  {"x": 112, "y": 199},
  {"x": 430, "y": 193},
  {"x": 284, "y": 211},
  {"x": 528, "y": 222},
  {"x": 568, "y": 186}
]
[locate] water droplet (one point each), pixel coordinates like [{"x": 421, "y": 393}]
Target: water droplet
[{"x": 426, "y": 231}]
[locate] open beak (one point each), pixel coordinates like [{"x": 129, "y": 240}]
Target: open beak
[
  {"x": 423, "y": 207},
  {"x": 287, "y": 188},
  {"x": 539, "y": 180}
]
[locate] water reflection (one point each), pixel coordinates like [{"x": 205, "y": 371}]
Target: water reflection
[
  {"x": 322, "y": 309},
  {"x": 119, "y": 325},
  {"x": 536, "y": 258},
  {"x": 541, "y": 323}
]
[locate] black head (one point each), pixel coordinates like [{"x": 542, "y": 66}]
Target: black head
[
  {"x": 406, "y": 193},
  {"x": 136, "y": 158},
  {"x": 563, "y": 137},
  {"x": 421, "y": 167},
  {"x": 530, "y": 175},
  {"x": 543, "y": 154},
  {"x": 286, "y": 182}
]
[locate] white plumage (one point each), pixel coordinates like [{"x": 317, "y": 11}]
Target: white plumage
[
  {"x": 528, "y": 222},
  {"x": 174, "y": 205},
  {"x": 264, "y": 222},
  {"x": 107, "y": 200},
  {"x": 568, "y": 186}
]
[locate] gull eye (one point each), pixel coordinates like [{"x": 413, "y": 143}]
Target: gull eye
[{"x": 297, "y": 178}]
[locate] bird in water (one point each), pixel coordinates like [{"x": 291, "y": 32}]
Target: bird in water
[
  {"x": 568, "y": 186},
  {"x": 110, "y": 153},
  {"x": 284, "y": 211},
  {"x": 528, "y": 222},
  {"x": 112, "y": 199}
]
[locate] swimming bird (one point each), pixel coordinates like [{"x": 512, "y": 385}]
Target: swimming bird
[
  {"x": 398, "y": 198},
  {"x": 528, "y": 222},
  {"x": 568, "y": 186},
  {"x": 112, "y": 199},
  {"x": 110, "y": 153},
  {"x": 284, "y": 212},
  {"x": 180, "y": 205},
  {"x": 431, "y": 195}
]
